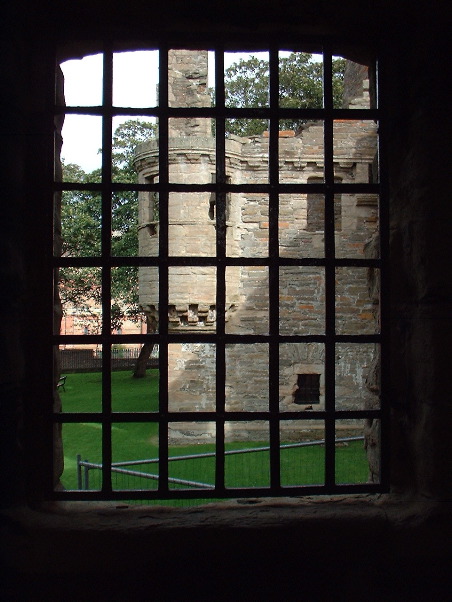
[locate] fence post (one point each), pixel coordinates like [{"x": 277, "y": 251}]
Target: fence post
[
  {"x": 79, "y": 472},
  {"x": 86, "y": 477}
]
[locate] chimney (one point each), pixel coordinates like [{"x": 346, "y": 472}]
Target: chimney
[{"x": 187, "y": 87}]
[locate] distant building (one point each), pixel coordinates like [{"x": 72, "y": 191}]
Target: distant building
[{"x": 192, "y": 290}]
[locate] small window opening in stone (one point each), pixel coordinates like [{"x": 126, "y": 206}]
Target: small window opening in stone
[
  {"x": 154, "y": 206},
  {"x": 149, "y": 212},
  {"x": 213, "y": 200},
  {"x": 308, "y": 389},
  {"x": 316, "y": 208},
  {"x": 212, "y": 206},
  {"x": 152, "y": 229}
]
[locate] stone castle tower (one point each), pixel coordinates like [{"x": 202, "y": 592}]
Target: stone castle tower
[{"x": 192, "y": 290}]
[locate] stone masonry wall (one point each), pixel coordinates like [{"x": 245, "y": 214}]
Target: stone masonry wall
[
  {"x": 192, "y": 303},
  {"x": 187, "y": 87}
]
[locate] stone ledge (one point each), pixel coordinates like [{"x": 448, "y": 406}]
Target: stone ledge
[{"x": 61, "y": 537}]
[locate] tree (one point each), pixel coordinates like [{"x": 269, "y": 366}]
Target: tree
[
  {"x": 81, "y": 231},
  {"x": 300, "y": 86},
  {"x": 80, "y": 288},
  {"x": 126, "y": 138}
]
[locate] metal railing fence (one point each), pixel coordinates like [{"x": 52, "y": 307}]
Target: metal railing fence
[
  {"x": 90, "y": 360},
  {"x": 84, "y": 466}
]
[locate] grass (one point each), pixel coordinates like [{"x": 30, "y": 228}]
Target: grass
[
  {"x": 137, "y": 441},
  {"x": 130, "y": 441}
]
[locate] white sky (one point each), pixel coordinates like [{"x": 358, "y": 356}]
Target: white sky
[{"x": 135, "y": 77}]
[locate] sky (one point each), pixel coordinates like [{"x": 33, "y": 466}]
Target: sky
[{"x": 135, "y": 76}]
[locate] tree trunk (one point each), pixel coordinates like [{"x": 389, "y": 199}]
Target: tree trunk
[
  {"x": 146, "y": 350},
  {"x": 140, "y": 366}
]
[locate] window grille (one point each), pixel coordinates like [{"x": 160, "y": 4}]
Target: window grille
[{"x": 345, "y": 333}]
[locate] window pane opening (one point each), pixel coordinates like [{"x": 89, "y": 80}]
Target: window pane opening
[
  {"x": 302, "y": 452},
  {"x": 130, "y": 88},
  {"x": 82, "y": 148},
  {"x": 89, "y": 71},
  {"x": 215, "y": 263},
  {"x": 242, "y": 71}
]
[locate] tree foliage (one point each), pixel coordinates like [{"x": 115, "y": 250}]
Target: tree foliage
[
  {"x": 80, "y": 288},
  {"x": 300, "y": 86}
]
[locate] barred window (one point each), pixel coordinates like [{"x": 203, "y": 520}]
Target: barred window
[
  {"x": 308, "y": 389},
  {"x": 196, "y": 255}
]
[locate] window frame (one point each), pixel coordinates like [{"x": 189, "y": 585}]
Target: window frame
[{"x": 221, "y": 189}]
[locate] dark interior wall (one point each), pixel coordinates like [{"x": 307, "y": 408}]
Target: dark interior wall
[
  {"x": 382, "y": 548},
  {"x": 421, "y": 219}
]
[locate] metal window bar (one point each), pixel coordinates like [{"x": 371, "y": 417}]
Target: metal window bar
[
  {"x": 220, "y": 216},
  {"x": 330, "y": 266},
  {"x": 106, "y": 268},
  {"x": 163, "y": 267},
  {"x": 273, "y": 252},
  {"x": 385, "y": 291},
  {"x": 220, "y": 188}
]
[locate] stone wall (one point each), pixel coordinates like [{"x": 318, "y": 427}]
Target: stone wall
[
  {"x": 187, "y": 87},
  {"x": 192, "y": 302}
]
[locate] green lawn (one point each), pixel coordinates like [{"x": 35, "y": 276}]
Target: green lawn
[
  {"x": 137, "y": 441},
  {"x": 130, "y": 441}
]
